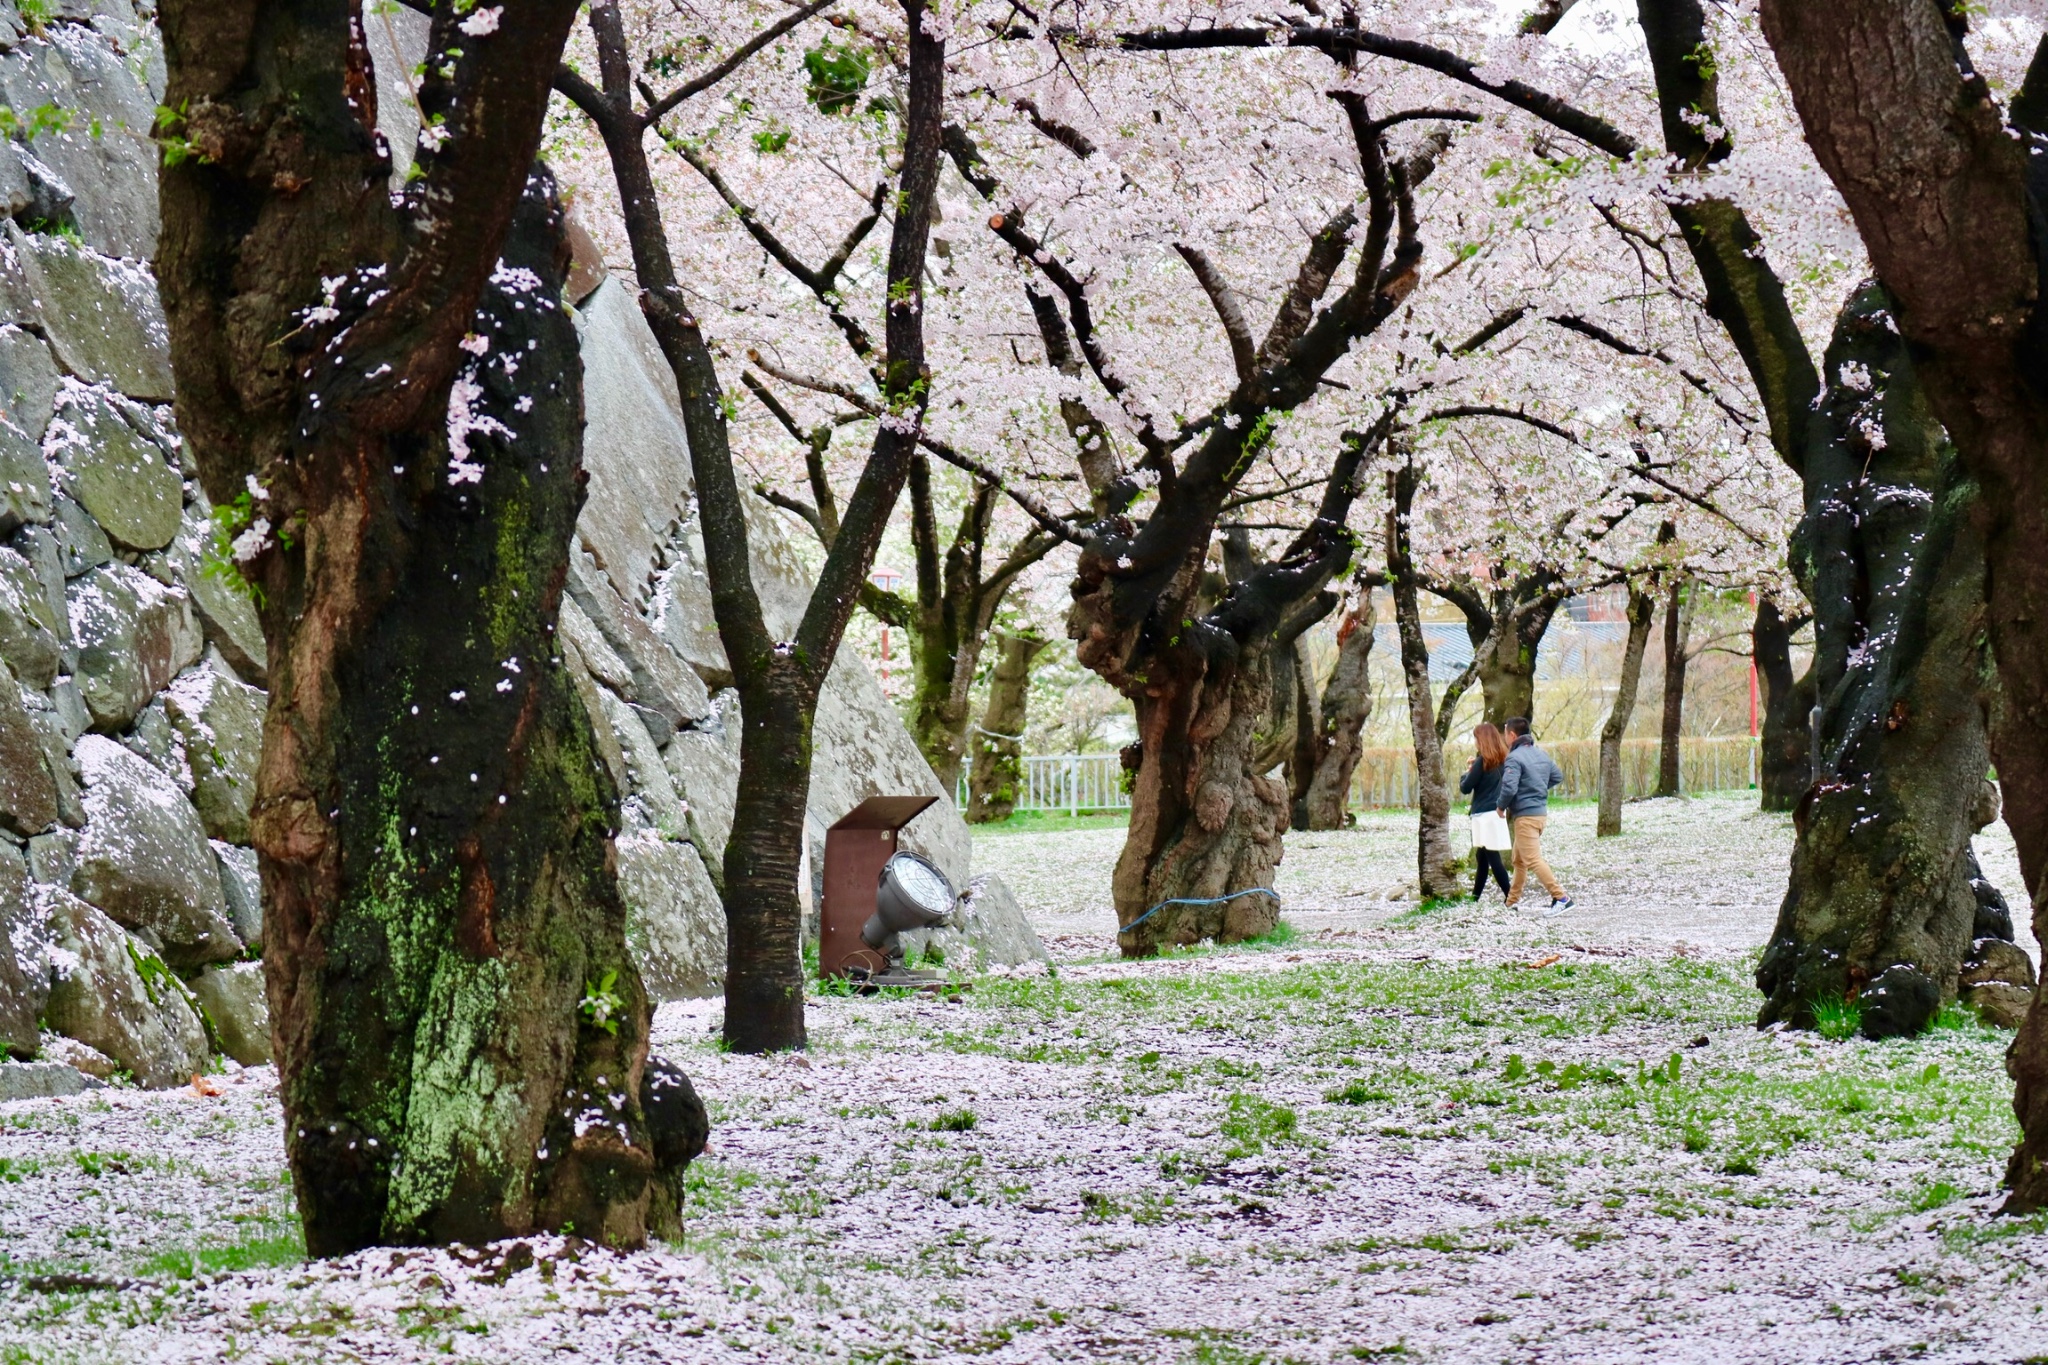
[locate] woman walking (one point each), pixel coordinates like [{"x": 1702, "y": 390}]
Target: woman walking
[{"x": 1490, "y": 836}]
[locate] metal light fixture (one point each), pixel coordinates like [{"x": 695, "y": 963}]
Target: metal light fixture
[{"x": 910, "y": 894}]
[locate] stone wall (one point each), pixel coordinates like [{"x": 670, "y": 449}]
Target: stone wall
[{"x": 131, "y": 677}]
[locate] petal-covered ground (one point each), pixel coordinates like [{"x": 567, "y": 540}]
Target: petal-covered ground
[{"x": 1385, "y": 1135}]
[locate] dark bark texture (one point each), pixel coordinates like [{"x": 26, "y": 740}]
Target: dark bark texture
[
  {"x": 1785, "y": 762},
  {"x": 1346, "y": 706},
  {"x": 459, "y": 1028},
  {"x": 1890, "y": 554},
  {"x": 998, "y": 773},
  {"x": 1641, "y": 609}
]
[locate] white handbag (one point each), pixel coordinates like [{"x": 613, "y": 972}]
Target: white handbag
[{"x": 1490, "y": 830}]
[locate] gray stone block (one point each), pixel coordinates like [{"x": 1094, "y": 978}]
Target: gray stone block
[
  {"x": 112, "y": 993},
  {"x": 32, "y": 637},
  {"x": 43, "y": 1081},
  {"x": 242, "y": 886},
  {"x": 221, "y": 722},
  {"x": 675, "y": 921},
  {"x": 53, "y": 857},
  {"x": 116, "y": 473},
  {"x": 134, "y": 635},
  {"x": 222, "y": 600},
  {"x": 103, "y": 319},
  {"x": 81, "y": 545},
  {"x": 25, "y": 493},
  {"x": 28, "y": 787},
  {"x": 28, "y": 381},
  {"x": 144, "y": 858},
  {"x": 24, "y": 958},
  {"x": 233, "y": 1002},
  {"x": 656, "y": 676},
  {"x": 103, "y": 152}
]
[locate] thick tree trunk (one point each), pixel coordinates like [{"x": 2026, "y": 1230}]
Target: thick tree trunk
[
  {"x": 1642, "y": 609},
  {"x": 445, "y": 945},
  {"x": 1677, "y": 639},
  {"x": 992, "y": 787},
  {"x": 1346, "y": 706},
  {"x": 1204, "y": 824},
  {"x": 1881, "y": 902},
  {"x": 1507, "y": 667},
  {"x": 1785, "y": 760}
]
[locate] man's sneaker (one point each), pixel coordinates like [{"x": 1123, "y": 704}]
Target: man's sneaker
[{"x": 1558, "y": 907}]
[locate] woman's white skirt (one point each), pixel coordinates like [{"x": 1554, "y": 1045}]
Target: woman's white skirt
[{"x": 1491, "y": 831}]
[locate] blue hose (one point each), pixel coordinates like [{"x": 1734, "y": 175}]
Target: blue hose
[{"x": 1199, "y": 900}]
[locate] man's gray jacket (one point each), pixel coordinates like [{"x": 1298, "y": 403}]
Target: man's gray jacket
[{"x": 1526, "y": 779}]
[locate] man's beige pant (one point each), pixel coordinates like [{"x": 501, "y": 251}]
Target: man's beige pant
[{"x": 1528, "y": 834}]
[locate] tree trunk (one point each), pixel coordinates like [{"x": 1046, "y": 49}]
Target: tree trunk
[
  {"x": 1785, "y": 761},
  {"x": 445, "y": 960},
  {"x": 1507, "y": 668},
  {"x": 1308, "y": 729},
  {"x": 1437, "y": 873},
  {"x": 1888, "y": 551},
  {"x": 1642, "y": 608},
  {"x": 993, "y": 786},
  {"x": 1677, "y": 638},
  {"x": 1204, "y": 824},
  {"x": 1346, "y": 706},
  {"x": 778, "y": 681}
]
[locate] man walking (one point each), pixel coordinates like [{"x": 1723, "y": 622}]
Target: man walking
[{"x": 1525, "y": 783}]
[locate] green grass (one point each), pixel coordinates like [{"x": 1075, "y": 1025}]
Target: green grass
[
  {"x": 281, "y": 1244},
  {"x": 1837, "y": 1019},
  {"x": 1054, "y": 822}
]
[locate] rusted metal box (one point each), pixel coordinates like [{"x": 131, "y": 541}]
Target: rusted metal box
[{"x": 855, "y": 850}]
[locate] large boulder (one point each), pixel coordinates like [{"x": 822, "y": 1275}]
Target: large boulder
[
  {"x": 28, "y": 786},
  {"x": 81, "y": 544},
  {"x": 103, "y": 319},
  {"x": 144, "y": 859},
  {"x": 134, "y": 635},
  {"x": 222, "y": 599},
  {"x": 647, "y": 792},
  {"x": 233, "y": 1002},
  {"x": 221, "y": 722},
  {"x": 100, "y": 149},
  {"x": 24, "y": 958},
  {"x": 117, "y": 474},
  {"x": 112, "y": 993},
  {"x": 32, "y": 637},
  {"x": 675, "y": 921}
]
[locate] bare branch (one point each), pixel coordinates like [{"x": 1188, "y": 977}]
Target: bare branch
[
  {"x": 657, "y": 108},
  {"x": 1217, "y": 288}
]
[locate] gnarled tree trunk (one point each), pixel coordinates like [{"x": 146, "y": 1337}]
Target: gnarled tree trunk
[
  {"x": 1507, "y": 655},
  {"x": 1785, "y": 761},
  {"x": 998, "y": 772},
  {"x": 1347, "y": 705},
  {"x": 1881, "y": 902},
  {"x": 1641, "y": 609},
  {"x": 1308, "y": 729},
  {"x": 1203, "y": 823},
  {"x": 446, "y": 964}
]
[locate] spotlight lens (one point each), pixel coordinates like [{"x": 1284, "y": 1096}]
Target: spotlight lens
[{"x": 921, "y": 884}]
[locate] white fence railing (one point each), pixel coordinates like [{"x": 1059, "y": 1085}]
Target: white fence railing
[{"x": 1386, "y": 777}]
